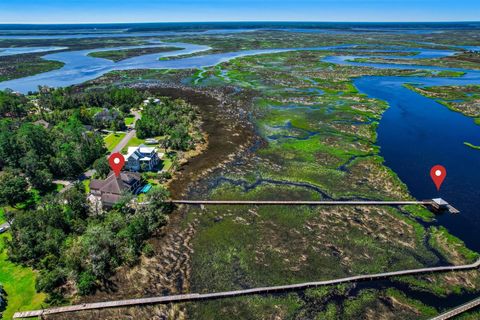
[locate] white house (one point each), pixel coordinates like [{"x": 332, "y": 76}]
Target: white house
[
  {"x": 141, "y": 158},
  {"x": 151, "y": 100}
]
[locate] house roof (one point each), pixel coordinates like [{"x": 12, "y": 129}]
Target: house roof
[
  {"x": 110, "y": 199},
  {"x": 139, "y": 152},
  {"x": 146, "y": 150},
  {"x": 115, "y": 185},
  {"x": 440, "y": 201}
]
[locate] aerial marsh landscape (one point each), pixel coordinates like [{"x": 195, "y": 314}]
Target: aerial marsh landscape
[{"x": 271, "y": 114}]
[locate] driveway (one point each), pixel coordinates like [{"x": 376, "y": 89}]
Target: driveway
[{"x": 123, "y": 143}]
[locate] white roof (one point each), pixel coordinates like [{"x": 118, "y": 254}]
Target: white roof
[
  {"x": 148, "y": 150},
  {"x": 140, "y": 149},
  {"x": 131, "y": 150},
  {"x": 440, "y": 201}
]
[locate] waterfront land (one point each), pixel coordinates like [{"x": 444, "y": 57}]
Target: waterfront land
[
  {"x": 287, "y": 126},
  {"x": 463, "y": 99},
  {"x": 23, "y": 65},
  {"x": 462, "y": 60},
  {"x": 69, "y": 140},
  {"x": 315, "y": 140},
  {"x": 19, "y": 66},
  {"x": 119, "y": 55}
]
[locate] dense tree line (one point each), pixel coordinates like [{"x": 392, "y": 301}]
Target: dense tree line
[
  {"x": 13, "y": 187},
  {"x": 54, "y": 233},
  {"x": 104, "y": 108},
  {"x": 13, "y": 104},
  {"x": 74, "y": 98},
  {"x": 64, "y": 243},
  {"x": 172, "y": 118},
  {"x": 61, "y": 103},
  {"x": 40, "y": 154}
]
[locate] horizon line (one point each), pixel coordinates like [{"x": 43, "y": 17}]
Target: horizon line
[{"x": 232, "y": 21}]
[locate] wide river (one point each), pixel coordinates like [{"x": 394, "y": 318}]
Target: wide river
[{"x": 414, "y": 134}]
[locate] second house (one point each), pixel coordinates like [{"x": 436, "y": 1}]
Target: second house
[{"x": 141, "y": 158}]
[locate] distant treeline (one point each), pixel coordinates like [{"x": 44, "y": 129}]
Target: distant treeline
[{"x": 199, "y": 26}]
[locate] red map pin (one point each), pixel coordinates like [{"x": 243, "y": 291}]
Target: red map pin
[
  {"x": 438, "y": 174},
  {"x": 116, "y": 161}
]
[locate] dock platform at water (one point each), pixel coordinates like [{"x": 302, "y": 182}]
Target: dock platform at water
[{"x": 440, "y": 205}]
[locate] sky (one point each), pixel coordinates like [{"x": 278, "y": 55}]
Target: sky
[{"x": 106, "y": 11}]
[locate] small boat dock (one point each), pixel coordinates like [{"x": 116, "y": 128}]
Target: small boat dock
[{"x": 438, "y": 205}]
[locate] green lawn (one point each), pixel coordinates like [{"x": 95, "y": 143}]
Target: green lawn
[
  {"x": 59, "y": 187},
  {"x": 129, "y": 120},
  {"x": 112, "y": 139},
  {"x": 86, "y": 183},
  {"x": 2, "y": 216},
  {"x": 133, "y": 143},
  {"x": 19, "y": 283}
]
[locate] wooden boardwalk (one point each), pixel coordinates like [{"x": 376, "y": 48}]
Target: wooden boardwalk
[
  {"x": 430, "y": 204},
  {"x": 296, "y": 203},
  {"x": 458, "y": 310},
  {"x": 236, "y": 293}
]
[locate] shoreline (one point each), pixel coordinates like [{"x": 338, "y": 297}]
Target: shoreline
[
  {"x": 226, "y": 136},
  {"x": 168, "y": 271}
]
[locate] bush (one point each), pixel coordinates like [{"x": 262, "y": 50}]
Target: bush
[
  {"x": 48, "y": 281},
  {"x": 148, "y": 250},
  {"x": 164, "y": 176},
  {"x": 86, "y": 283},
  {"x": 13, "y": 187},
  {"x": 102, "y": 167}
]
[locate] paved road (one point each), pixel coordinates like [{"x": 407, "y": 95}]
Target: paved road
[
  {"x": 123, "y": 143},
  {"x": 236, "y": 293}
]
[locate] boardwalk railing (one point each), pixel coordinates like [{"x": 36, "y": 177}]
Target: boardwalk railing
[
  {"x": 296, "y": 203},
  {"x": 236, "y": 293},
  {"x": 460, "y": 309}
]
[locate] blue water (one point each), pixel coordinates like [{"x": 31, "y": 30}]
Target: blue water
[
  {"x": 79, "y": 67},
  {"x": 416, "y": 133},
  {"x": 23, "y": 50}
]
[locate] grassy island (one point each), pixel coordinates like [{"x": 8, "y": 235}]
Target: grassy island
[{"x": 119, "y": 55}]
